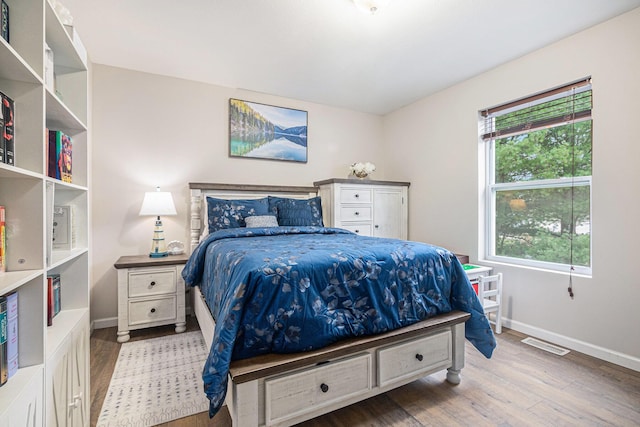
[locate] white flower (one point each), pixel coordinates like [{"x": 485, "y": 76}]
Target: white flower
[{"x": 362, "y": 168}]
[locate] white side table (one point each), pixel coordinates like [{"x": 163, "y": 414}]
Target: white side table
[{"x": 151, "y": 292}]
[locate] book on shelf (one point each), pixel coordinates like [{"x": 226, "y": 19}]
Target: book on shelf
[
  {"x": 54, "y": 297},
  {"x": 12, "y": 333},
  {"x": 3, "y": 240},
  {"x": 64, "y": 159},
  {"x": 4, "y": 363},
  {"x": 50, "y": 142},
  {"x": 63, "y": 155},
  {"x": 8, "y": 135},
  {"x": 55, "y": 287},
  {"x": 3, "y": 157},
  {"x": 49, "y": 300},
  {"x": 4, "y": 22}
]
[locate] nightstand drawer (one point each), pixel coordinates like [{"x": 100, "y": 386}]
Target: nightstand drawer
[
  {"x": 361, "y": 213},
  {"x": 355, "y": 195},
  {"x": 152, "y": 282},
  {"x": 152, "y": 310}
]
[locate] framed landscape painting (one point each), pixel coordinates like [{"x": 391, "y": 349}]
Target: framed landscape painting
[{"x": 267, "y": 132}]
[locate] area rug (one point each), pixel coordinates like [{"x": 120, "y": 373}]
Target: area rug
[{"x": 155, "y": 381}]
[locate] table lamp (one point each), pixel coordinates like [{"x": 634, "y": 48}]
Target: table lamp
[{"x": 158, "y": 203}]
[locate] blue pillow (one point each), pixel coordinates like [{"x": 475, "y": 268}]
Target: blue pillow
[
  {"x": 231, "y": 213},
  {"x": 297, "y": 212}
]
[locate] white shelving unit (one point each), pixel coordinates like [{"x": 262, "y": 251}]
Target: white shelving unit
[{"x": 50, "y": 357}]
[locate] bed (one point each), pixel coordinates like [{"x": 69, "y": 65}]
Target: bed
[{"x": 309, "y": 319}]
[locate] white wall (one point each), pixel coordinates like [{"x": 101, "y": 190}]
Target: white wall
[
  {"x": 434, "y": 144},
  {"x": 151, "y": 130}
]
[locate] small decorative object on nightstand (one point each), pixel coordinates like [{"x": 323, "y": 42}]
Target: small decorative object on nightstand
[
  {"x": 175, "y": 247},
  {"x": 158, "y": 203},
  {"x": 150, "y": 293}
]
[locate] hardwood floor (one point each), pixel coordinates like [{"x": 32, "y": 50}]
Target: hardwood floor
[{"x": 519, "y": 386}]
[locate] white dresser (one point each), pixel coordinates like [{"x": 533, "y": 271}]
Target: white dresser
[{"x": 366, "y": 207}]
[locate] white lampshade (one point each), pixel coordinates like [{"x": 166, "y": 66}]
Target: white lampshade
[
  {"x": 370, "y": 6},
  {"x": 158, "y": 203}
]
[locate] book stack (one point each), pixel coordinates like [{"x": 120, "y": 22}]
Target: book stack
[
  {"x": 59, "y": 154},
  {"x": 7, "y": 142}
]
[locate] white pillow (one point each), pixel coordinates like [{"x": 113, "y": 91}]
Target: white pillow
[{"x": 261, "y": 221}]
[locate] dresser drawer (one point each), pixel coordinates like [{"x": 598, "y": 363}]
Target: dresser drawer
[
  {"x": 152, "y": 282},
  {"x": 355, "y": 195},
  {"x": 352, "y": 213},
  {"x": 292, "y": 395},
  {"x": 361, "y": 229},
  {"x": 413, "y": 357},
  {"x": 152, "y": 310}
]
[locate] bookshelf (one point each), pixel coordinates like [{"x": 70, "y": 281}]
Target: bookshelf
[{"x": 53, "y": 360}]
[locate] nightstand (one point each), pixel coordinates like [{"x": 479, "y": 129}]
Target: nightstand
[{"x": 150, "y": 293}]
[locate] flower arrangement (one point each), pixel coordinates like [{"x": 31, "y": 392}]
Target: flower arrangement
[{"x": 361, "y": 170}]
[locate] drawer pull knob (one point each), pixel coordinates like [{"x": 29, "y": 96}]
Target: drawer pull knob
[
  {"x": 152, "y": 284},
  {"x": 419, "y": 357},
  {"x": 324, "y": 387},
  {"x": 357, "y": 213},
  {"x": 153, "y": 310},
  {"x": 357, "y": 231},
  {"x": 356, "y": 195},
  {"x": 377, "y": 226}
]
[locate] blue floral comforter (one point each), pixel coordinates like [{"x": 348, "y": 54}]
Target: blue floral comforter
[{"x": 291, "y": 289}]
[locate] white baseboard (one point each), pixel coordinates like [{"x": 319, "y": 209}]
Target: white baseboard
[
  {"x": 602, "y": 353},
  {"x": 104, "y": 323},
  {"x": 113, "y": 321}
]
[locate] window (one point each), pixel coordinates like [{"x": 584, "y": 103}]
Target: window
[{"x": 539, "y": 179}]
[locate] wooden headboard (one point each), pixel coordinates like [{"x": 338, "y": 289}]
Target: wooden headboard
[{"x": 199, "y": 191}]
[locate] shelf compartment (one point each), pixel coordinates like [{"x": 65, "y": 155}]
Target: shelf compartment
[
  {"x": 23, "y": 381},
  {"x": 31, "y": 318},
  {"x": 29, "y": 111},
  {"x": 64, "y": 322},
  {"x": 12, "y": 280},
  {"x": 60, "y": 117},
  {"x": 26, "y": 35},
  {"x": 14, "y": 67},
  {"x": 60, "y": 42},
  {"x": 59, "y": 258},
  {"x": 73, "y": 271},
  {"x": 22, "y": 197}
]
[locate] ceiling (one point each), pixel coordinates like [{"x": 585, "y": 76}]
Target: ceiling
[{"x": 327, "y": 51}]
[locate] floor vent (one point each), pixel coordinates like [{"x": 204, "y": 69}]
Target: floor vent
[{"x": 545, "y": 346}]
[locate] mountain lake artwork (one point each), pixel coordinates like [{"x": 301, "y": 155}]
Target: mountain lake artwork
[{"x": 267, "y": 132}]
